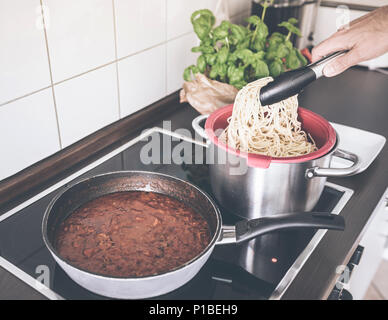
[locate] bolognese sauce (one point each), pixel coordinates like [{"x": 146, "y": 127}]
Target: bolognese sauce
[{"x": 132, "y": 234}]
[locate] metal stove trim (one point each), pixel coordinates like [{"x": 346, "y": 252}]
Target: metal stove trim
[
  {"x": 32, "y": 282},
  {"x": 25, "y": 277},
  {"x": 95, "y": 164},
  {"x": 305, "y": 254},
  {"x": 50, "y": 294}
]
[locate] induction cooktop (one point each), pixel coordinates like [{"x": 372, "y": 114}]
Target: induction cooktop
[{"x": 262, "y": 269}]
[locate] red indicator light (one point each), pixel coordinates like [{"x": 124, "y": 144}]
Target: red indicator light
[{"x": 274, "y": 260}]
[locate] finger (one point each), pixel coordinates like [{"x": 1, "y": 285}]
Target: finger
[
  {"x": 342, "y": 63},
  {"x": 330, "y": 45}
]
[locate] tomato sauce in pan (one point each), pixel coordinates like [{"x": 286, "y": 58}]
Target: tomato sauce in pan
[{"x": 132, "y": 234}]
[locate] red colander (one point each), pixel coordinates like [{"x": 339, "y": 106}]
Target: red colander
[{"x": 319, "y": 128}]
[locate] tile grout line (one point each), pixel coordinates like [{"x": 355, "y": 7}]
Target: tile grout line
[
  {"x": 24, "y": 96},
  {"x": 111, "y": 62},
  {"x": 94, "y": 69},
  {"x": 116, "y": 62},
  {"x": 90, "y": 70},
  {"x": 165, "y": 42},
  {"x": 85, "y": 72},
  {"x": 51, "y": 75}
]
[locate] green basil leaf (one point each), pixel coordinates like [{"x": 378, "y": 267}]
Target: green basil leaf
[
  {"x": 202, "y": 21},
  {"x": 232, "y": 57},
  {"x": 235, "y": 74},
  {"x": 245, "y": 55},
  {"x": 211, "y": 58},
  {"x": 205, "y": 13},
  {"x": 271, "y": 53},
  {"x": 222, "y": 56},
  {"x": 259, "y": 55},
  {"x": 239, "y": 85},
  {"x": 253, "y": 20},
  {"x": 196, "y": 49},
  {"x": 275, "y": 68},
  {"x": 258, "y": 44},
  {"x": 213, "y": 72},
  {"x": 275, "y": 41},
  {"x": 220, "y": 33},
  {"x": 293, "y": 20},
  {"x": 194, "y": 70},
  {"x": 292, "y": 61},
  {"x": 243, "y": 44},
  {"x": 261, "y": 69},
  {"x": 277, "y": 35},
  {"x": 225, "y": 24},
  {"x": 201, "y": 63},
  {"x": 189, "y": 72},
  {"x": 289, "y": 45},
  {"x": 261, "y": 30},
  {"x": 238, "y": 32},
  {"x": 222, "y": 71},
  {"x": 204, "y": 49},
  {"x": 282, "y": 51},
  {"x": 290, "y": 27}
]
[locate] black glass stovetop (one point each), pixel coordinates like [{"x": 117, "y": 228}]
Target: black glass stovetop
[{"x": 222, "y": 277}]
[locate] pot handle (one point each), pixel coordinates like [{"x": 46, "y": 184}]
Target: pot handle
[
  {"x": 247, "y": 230},
  {"x": 197, "y": 128},
  {"x": 337, "y": 172}
]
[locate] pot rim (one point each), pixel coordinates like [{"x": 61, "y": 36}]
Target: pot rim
[
  {"x": 49, "y": 245},
  {"x": 263, "y": 161}
]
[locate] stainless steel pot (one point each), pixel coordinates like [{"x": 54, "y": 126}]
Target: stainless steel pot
[
  {"x": 253, "y": 192},
  {"x": 143, "y": 287}
]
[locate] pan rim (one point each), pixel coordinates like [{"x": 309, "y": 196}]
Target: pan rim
[{"x": 56, "y": 255}]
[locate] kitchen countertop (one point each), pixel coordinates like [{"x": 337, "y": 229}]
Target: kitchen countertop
[{"x": 357, "y": 98}]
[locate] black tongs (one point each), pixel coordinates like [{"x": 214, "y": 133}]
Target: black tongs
[{"x": 292, "y": 82}]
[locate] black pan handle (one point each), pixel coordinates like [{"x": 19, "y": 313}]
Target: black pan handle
[
  {"x": 249, "y": 229},
  {"x": 292, "y": 82}
]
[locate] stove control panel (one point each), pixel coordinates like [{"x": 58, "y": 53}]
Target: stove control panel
[
  {"x": 371, "y": 249},
  {"x": 340, "y": 291}
]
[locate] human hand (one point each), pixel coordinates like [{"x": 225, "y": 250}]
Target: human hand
[{"x": 365, "y": 38}]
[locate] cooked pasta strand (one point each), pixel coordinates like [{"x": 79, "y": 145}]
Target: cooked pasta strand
[{"x": 272, "y": 130}]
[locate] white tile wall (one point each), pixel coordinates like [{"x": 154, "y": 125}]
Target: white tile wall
[
  {"x": 139, "y": 25},
  {"x": 142, "y": 79},
  {"x": 179, "y": 13},
  {"x": 240, "y": 17},
  {"x": 108, "y": 58},
  {"x": 179, "y": 56},
  {"x": 86, "y": 104},
  {"x": 24, "y": 66},
  {"x": 28, "y": 132},
  {"x": 327, "y": 20},
  {"x": 239, "y": 6},
  {"x": 80, "y": 35}
]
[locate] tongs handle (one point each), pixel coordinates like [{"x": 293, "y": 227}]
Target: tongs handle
[
  {"x": 292, "y": 82},
  {"x": 319, "y": 65}
]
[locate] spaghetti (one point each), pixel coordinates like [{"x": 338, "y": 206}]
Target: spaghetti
[{"x": 272, "y": 130}]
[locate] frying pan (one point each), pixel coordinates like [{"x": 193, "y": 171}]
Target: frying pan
[{"x": 149, "y": 286}]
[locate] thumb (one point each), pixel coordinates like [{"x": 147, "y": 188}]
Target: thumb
[{"x": 342, "y": 63}]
